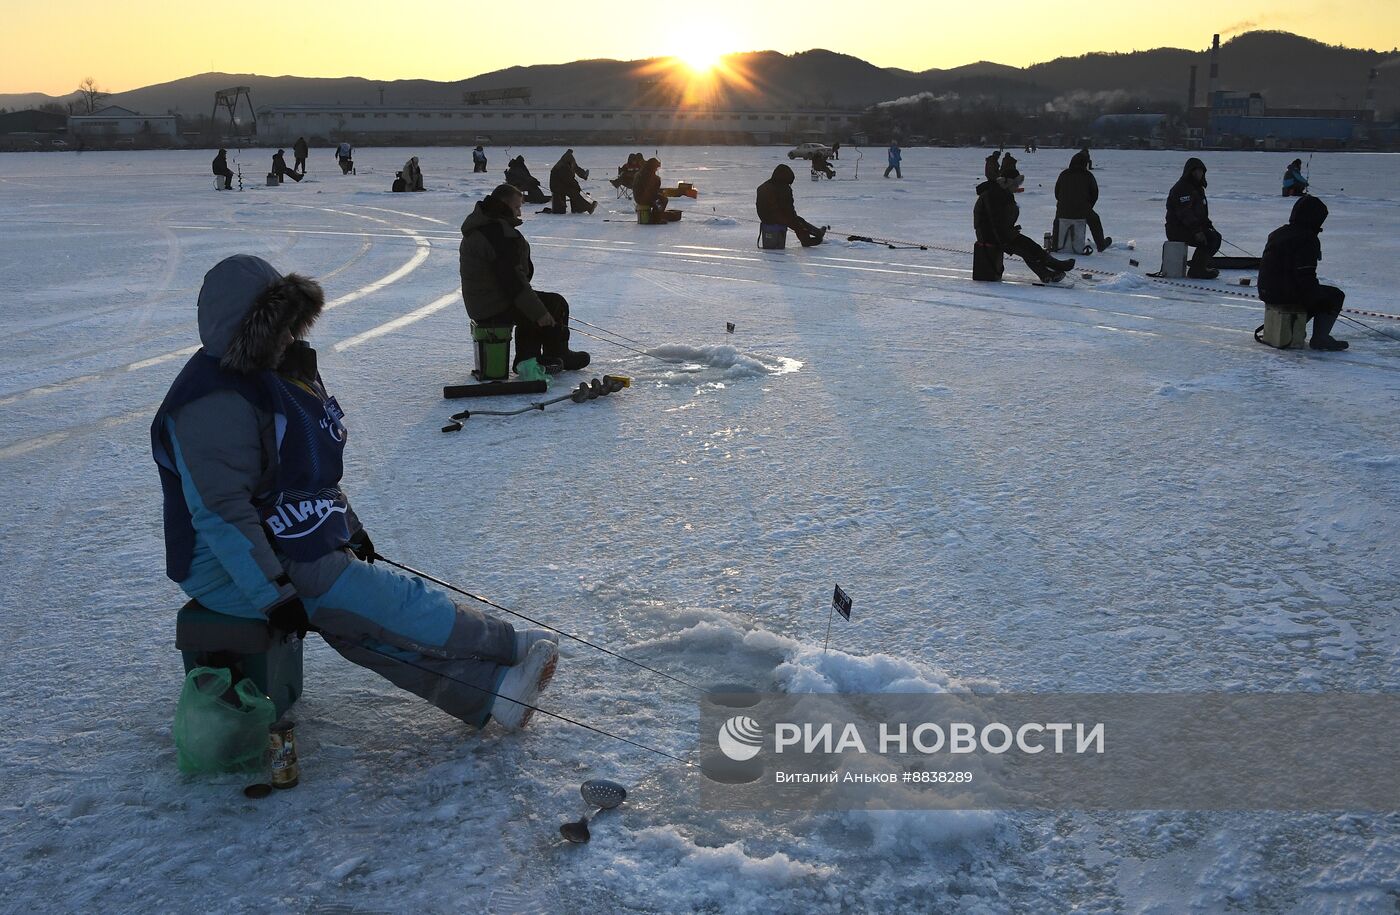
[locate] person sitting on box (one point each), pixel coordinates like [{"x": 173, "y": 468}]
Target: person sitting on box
[
  {"x": 646, "y": 193},
  {"x": 1288, "y": 272},
  {"x": 776, "y": 207},
  {"x": 821, "y": 166},
  {"x": 994, "y": 220},
  {"x": 496, "y": 271},
  {"x": 478, "y": 160},
  {"x": 249, "y": 444},
  {"x": 280, "y": 169},
  {"x": 1294, "y": 184},
  {"x": 1076, "y": 193},
  {"x": 518, "y": 174},
  {"x": 1188, "y": 219},
  {"x": 220, "y": 168}
]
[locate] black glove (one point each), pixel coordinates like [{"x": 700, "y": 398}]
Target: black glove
[
  {"x": 289, "y": 616},
  {"x": 362, "y": 546}
]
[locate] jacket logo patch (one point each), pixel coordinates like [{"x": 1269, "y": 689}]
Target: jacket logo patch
[{"x": 294, "y": 520}]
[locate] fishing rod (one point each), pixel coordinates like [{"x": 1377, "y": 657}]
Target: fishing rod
[
  {"x": 568, "y": 635},
  {"x": 1374, "y": 330},
  {"x": 438, "y": 673},
  {"x": 1237, "y": 247},
  {"x": 605, "y": 330}
]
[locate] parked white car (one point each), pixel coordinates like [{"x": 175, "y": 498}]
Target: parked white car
[{"x": 806, "y": 150}]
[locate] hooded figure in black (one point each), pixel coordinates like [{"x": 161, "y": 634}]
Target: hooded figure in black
[
  {"x": 1288, "y": 272},
  {"x": 279, "y": 167},
  {"x": 300, "y": 151},
  {"x": 646, "y": 190},
  {"x": 563, "y": 184},
  {"x": 496, "y": 272},
  {"x": 994, "y": 219},
  {"x": 519, "y": 175},
  {"x": 1076, "y": 192},
  {"x": 775, "y": 207},
  {"x": 220, "y": 168},
  {"x": 992, "y": 167},
  {"x": 1188, "y": 219}
]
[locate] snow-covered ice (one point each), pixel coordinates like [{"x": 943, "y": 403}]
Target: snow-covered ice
[{"x": 1104, "y": 488}]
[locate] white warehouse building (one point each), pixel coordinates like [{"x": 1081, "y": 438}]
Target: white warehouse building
[{"x": 526, "y": 124}]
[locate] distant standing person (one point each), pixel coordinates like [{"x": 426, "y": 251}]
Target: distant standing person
[
  {"x": 776, "y": 207},
  {"x": 299, "y": 151},
  {"x": 478, "y": 160},
  {"x": 563, "y": 185},
  {"x": 220, "y": 168},
  {"x": 894, "y": 158},
  {"x": 1076, "y": 193},
  {"x": 1288, "y": 272},
  {"x": 345, "y": 157},
  {"x": 836, "y": 150},
  {"x": 1188, "y": 219},
  {"x": 1294, "y": 184},
  {"x": 280, "y": 169}
]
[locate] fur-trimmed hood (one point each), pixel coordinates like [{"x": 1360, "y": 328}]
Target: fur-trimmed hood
[{"x": 246, "y": 306}]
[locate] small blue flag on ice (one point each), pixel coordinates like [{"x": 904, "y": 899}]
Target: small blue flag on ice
[{"x": 842, "y": 602}]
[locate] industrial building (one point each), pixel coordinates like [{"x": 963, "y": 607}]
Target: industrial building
[
  {"x": 525, "y": 124},
  {"x": 1243, "y": 120},
  {"x": 117, "y": 126}
]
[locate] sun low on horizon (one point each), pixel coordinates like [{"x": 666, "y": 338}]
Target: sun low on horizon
[{"x": 702, "y": 50}]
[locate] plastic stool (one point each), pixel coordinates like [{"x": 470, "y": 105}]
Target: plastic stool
[
  {"x": 247, "y": 647},
  {"x": 492, "y": 351}
]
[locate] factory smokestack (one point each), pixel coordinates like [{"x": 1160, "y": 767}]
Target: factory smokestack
[
  {"x": 1214, "y": 85},
  {"x": 1371, "y": 92},
  {"x": 1191, "y": 90}
]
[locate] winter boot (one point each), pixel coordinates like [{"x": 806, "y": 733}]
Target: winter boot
[
  {"x": 525, "y": 639},
  {"x": 1107, "y": 243},
  {"x": 521, "y": 686},
  {"x": 1061, "y": 265},
  {"x": 573, "y": 360},
  {"x": 552, "y": 365},
  {"x": 1202, "y": 273},
  {"x": 592, "y": 205},
  {"x": 1328, "y": 344}
]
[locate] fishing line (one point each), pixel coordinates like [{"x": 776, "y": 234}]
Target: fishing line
[{"x": 451, "y": 587}]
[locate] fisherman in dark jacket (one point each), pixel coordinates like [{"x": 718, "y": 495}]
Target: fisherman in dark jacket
[
  {"x": 478, "y": 160},
  {"x": 1188, "y": 219},
  {"x": 496, "y": 271},
  {"x": 279, "y": 167},
  {"x": 994, "y": 220},
  {"x": 646, "y": 193},
  {"x": 775, "y": 207},
  {"x": 821, "y": 165},
  {"x": 1076, "y": 192},
  {"x": 563, "y": 184},
  {"x": 300, "y": 151},
  {"x": 992, "y": 167},
  {"x": 519, "y": 175},
  {"x": 1288, "y": 272},
  {"x": 220, "y": 168}
]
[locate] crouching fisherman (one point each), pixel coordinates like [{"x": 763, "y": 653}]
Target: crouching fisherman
[
  {"x": 249, "y": 445},
  {"x": 1288, "y": 272}
]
